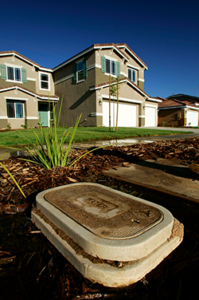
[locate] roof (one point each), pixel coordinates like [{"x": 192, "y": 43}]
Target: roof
[
  {"x": 127, "y": 80},
  {"x": 189, "y": 97},
  {"x": 175, "y": 103},
  {"x": 123, "y": 79},
  {"x": 124, "y": 45},
  {"x": 22, "y": 57},
  {"x": 116, "y": 47},
  {"x": 39, "y": 96}
]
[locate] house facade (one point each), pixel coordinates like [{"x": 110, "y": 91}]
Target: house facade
[
  {"x": 83, "y": 82},
  {"x": 26, "y": 90},
  {"x": 179, "y": 110}
]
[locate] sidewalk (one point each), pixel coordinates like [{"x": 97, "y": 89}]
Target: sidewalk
[{"x": 140, "y": 140}]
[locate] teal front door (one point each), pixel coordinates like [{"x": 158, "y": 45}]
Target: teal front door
[{"x": 43, "y": 114}]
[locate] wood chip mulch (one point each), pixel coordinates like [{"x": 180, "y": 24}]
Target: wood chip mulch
[{"x": 33, "y": 178}]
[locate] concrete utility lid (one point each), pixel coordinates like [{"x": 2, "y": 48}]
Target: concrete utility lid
[
  {"x": 107, "y": 225},
  {"x": 106, "y": 216}
]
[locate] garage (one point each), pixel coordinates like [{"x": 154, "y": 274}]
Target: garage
[
  {"x": 127, "y": 116},
  {"x": 150, "y": 116},
  {"x": 192, "y": 118}
]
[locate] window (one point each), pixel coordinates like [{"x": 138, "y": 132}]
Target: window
[
  {"x": 44, "y": 81},
  {"x": 110, "y": 66},
  {"x": 11, "y": 73},
  {"x": 132, "y": 75},
  {"x": 15, "y": 109},
  {"x": 80, "y": 71}
]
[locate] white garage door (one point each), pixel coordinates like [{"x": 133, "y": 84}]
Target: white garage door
[
  {"x": 192, "y": 118},
  {"x": 150, "y": 116},
  {"x": 127, "y": 116}
]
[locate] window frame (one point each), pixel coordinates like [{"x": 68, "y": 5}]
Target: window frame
[
  {"x": 111, "y": 67},
  {"x": 79, "y": 71},
  {"x": 15, "y": 102},
  {"x": 14, "y": 74},
  {"x": 132, "y": 71},
  {"x": 114, "y": 66},
  {"x": 40, "y": 81}
]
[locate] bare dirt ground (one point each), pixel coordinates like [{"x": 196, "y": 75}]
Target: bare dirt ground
[{"x": 31, "y": 268}]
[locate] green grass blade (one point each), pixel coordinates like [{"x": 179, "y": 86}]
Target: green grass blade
[
  {"x": 16, "y": 183},
  {"x": 71, "y": 139}
]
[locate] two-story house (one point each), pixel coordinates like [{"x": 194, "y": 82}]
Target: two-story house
[
  {"x": 26, "y": 90},
  {"x": 83, "y": 81}
]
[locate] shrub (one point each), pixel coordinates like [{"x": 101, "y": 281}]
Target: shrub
[{"x": 8, "y": 127}]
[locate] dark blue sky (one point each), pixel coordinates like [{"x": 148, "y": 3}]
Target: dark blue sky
[{"x": 164, "y": 34}]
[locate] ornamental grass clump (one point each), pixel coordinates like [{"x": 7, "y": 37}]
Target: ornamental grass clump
[{"x": 50, "y": 150}]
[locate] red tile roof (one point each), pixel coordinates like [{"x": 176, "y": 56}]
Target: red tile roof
[
  {"x": 126, "y": 46},
  {"x": 112, "y": 45},
  {"x": 174, "y": 102}
]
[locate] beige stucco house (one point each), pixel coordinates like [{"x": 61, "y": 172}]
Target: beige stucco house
[
  {"x": 179, "y": 110},
  {"x": 83, "y": 81},
  {"x": 26, "y": 90}
]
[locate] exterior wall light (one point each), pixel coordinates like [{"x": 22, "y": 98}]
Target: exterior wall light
[{"x": 100, "y": 102}]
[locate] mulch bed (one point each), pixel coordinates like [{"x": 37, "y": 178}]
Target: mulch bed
[
  {"x": 33, "y": 178},
  {"x": 31, "y": 268}
]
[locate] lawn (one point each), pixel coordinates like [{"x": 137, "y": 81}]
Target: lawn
[{"x": 83, "y": 134}]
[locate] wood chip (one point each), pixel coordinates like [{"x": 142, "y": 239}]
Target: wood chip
[{"x": 71, "y": 179}]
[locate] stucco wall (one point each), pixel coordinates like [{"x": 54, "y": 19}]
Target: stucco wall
[
  {"x": 3, "y": 123},
  {"x": 30, "y": 109},
  {"x": 124, "y": 65},
  {"x": 172, "y": 117},
  {"x": 68, "y": 70},
  {"x": 33, "y": 76},
  {"x": 125, "y": 91},
  {"x": 77, "y": 99}
]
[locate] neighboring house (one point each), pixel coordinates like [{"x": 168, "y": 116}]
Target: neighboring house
[
  {"x": 83, "y": 81},
  {"x": 26, "y": 89},
  {"x": 179, "y": 110}
]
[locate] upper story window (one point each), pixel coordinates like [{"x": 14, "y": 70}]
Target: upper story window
[
  {"x": 44, "y": 81},
  {"x": 110, "y": 66},
  {"x": 80, "y": 71},
  {"x": 11, "y": 73},
  {"x": 132, "y": 75},
  {"x": 14, "y": 74}
]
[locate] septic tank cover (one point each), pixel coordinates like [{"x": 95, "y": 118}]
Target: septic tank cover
[{"x": 103, "y": 212}]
